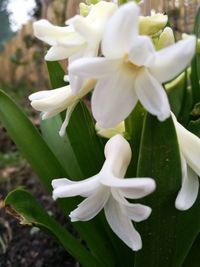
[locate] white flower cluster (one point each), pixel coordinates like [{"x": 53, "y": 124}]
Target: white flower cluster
[{"x": 110, "y": 52}]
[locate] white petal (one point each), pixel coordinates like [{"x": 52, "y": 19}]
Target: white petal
[
  {"x": 61, "y": 52},
  {"x": 189, "y": 189},
  {"x": 142, "y": 51},
  {"x": 131, "y": 187},
  {"x": 152, "y": 95},
  {"x": 67, "y": 118},
  {"x": 94, "y": 67},
  {"x": 114, "y": 98},
  {"x": 120, "y": 31},
  {"x": 138, "y": 212},
  {"x": 55, "y": 35},
  {"x": 135, "y": 212},
  {"x": 189, "y": 146},
  {"x": 79, "y": 188},
  {"x": 92, "y": 26},
  {"x": 53, "y": 101},
  {"x": 172, "y": 60},
  {"x": 121, "y": 224},
  {"x": 91, "y": 206},
  {"x": 40, "y": 95},
  {"x": 61, "y": 182}
]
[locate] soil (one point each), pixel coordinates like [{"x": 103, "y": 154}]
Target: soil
[{"x": 24, "y": 246}]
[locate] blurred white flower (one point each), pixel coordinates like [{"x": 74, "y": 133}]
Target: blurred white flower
[
  {"x": 189, "y": 145},
  {"x": 131, "y": 69},
  {"x": 81, "y": 37},
  {"x": 52, "y": 102},
  {"x": 109, "y": 190}
]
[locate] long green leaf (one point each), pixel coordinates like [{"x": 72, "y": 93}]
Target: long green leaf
[
  {"x": 133, "y": 125},
  {"x": 23, "y": 205},
  {"x": 29, "y": 141},
  {"x": 168, "y": 234},
  {"x": 195, "y": 75},
  {"x": 60, "y": 146}
]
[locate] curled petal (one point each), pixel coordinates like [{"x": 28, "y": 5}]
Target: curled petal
[
  {"x": 189, "y": 146},
  {"x": 62, "y": 52},
  {"x": 132, "y": 188},
  {"x": 53, "y": 102},
  {"x": 55, "y": 35},
  {"x": 91, "y": 206},
  {"x": 61, "y": 182},
  {"x": 173, "y": 59},
  {"x": 79, "y": 188},
  {"x": 152, "y": 95},
  {"x": 138, "y": 212},
  {"x": 189, "y": 189},
  {"x": 120, "y": 31},
  {"x": 121, "y": 224}
]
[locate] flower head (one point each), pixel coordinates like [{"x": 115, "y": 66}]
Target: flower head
[
  {"x": 109, "y": 190},
  {"x": 131, "y": 69},
  {"x": 189, "y": 145},
  {"x": 52, "y": 102},
  {"x": 81, "y": 37}
]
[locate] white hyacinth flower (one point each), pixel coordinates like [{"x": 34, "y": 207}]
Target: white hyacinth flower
[
  {"x": 131, "y": 69},
  {"x": 109, "y": 190},
  {"x": 73, "y": 39},
  {"x": 52, "y": 102},
  {"x": 189, "y": 145}
]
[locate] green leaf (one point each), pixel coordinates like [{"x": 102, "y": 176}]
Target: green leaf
[
  {"x": 134, "y": 125},
  {"x": 23, "y": 205},
  {"x": 29, "y": 141},
  {"x": 56, "y": 74},
  {"x": 195, "y": 75},
  {"x": 186, "y": 107},
  {"x": 194, "y": 127},
  {"x": 192, "y": 258},
  {"x": 175, "y": 91},
  {"x": 60, "y": 146},
  {"x": 168, "y": 234}
]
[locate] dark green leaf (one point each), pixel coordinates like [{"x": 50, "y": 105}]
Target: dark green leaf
[
  {"x": 194, "y": 127},
  {"x": 133, "y": 125},
  {"x": 168, "y": 234},
  {"x": 193, "y": 258},
  {"x": 24, "y": 207},
  {"x": 56, "y": 74},
  {"x": 175, "y": 91},
  {"x": 195, "y": 75}
]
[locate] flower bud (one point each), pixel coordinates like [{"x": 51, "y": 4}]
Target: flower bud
[
  {"x": 166, "y": 38},
  {"x": 150, "y": 25}
]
